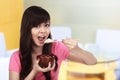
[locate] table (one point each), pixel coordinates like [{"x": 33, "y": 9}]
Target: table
[
  {"x": 107, "y": 57},
  {"x": 88, "y": 69}
]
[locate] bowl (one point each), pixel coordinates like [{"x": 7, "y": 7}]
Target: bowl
[{"x": 45, "y": 59}]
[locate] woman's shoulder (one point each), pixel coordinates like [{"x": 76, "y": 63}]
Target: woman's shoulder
[
  {"x": 15, "y": 53},
  {"x": 58, "y": 44},
  {"x": 14, "y": 64}
]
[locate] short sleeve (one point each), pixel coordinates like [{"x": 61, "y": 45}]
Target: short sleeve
[
  {"x": 14, "y": 64},
  {"x": 60, "y": 50}
]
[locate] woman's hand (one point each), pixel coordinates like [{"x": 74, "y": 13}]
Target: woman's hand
[
  {"x": 71, "y": 44},
  {"x": 77, "y": 54},
  {"x": 36, "y": 68}
]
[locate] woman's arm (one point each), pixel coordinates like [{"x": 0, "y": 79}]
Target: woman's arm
[
  {"x": 31, "y": 75},
  {"x": 83, "y": 57},
  {"x": 36, "y": 68},
  {"x": 13, "y": 75},
  {"x": 77, "y": 54}
]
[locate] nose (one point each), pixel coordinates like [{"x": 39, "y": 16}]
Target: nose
[{"x": 42, "y": 29}]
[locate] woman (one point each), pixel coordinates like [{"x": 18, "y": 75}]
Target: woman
[{"x": 35, "y": 29}]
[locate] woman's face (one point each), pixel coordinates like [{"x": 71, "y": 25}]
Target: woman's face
[{"x": 40, "y": 33}]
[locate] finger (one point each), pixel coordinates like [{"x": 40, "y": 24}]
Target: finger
[
  {"x": 68, "y": 41},
  {"x": 72, "y": 43},
  {"x": 47, "y": 68},
  {"x": 49, "y": 65},
  {"x": 69, "y": 46},
  {"x": 53, "y": 65},
  {"x": 44, "y": 69},
  {"x": 37, "y": 60}
]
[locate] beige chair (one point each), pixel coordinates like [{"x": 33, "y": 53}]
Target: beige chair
[{"x": 2, "y": 45}]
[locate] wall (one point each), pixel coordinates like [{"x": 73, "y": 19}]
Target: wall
[
  {"x": 83, "y": 16},
  {"x": 10, "y": 18}
]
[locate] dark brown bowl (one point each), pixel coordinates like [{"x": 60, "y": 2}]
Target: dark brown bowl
[{"x": 45, "y": 59}]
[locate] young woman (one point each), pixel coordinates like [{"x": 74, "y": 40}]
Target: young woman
[{"x": 35, "y": 29}]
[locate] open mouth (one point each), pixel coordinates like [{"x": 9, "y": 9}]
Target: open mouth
[{"x": 41, "y": 38}]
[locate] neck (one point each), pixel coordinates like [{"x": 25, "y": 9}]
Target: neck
[{"x": 37, "y": 50}]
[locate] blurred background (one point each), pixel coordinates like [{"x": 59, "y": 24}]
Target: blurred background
[{"x": 83, "y": 17}]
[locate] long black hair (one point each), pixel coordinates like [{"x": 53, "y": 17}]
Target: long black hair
[{"x": 32, "y": 17}]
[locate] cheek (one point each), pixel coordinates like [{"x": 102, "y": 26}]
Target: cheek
[
  {"x": 48, "y": 31},
  {"x": 33, "y": 33}
]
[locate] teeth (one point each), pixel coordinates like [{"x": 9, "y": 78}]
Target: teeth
[{"x": 41, "y": 37}]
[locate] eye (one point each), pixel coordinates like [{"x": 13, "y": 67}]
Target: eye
[
  {"x": 47, "y": 25},
  {"x": 38, "y": 26}
]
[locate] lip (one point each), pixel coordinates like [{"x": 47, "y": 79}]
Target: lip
[{"x": 42, "y": 41}]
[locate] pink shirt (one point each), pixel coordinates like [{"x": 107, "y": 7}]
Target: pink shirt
[{"x": 59, "y": 49}]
